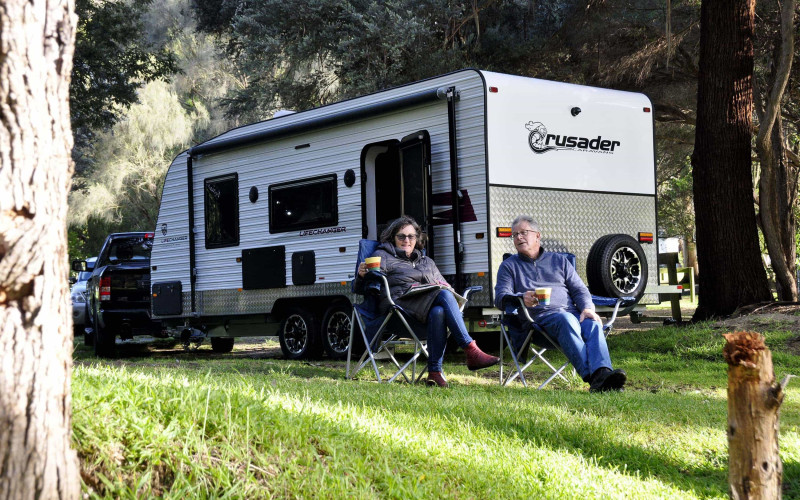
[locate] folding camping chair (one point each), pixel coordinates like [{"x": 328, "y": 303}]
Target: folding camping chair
[
  {"x": 539, "y": 340},
  {"x": 380, "y": 334}
]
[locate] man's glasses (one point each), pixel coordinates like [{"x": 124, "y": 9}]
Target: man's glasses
[
  {"x": 524, "y": 233},
  {"x": 404, "y": 237}
]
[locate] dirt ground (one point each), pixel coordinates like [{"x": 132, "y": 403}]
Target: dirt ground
[{"x": 751, "y": 317}]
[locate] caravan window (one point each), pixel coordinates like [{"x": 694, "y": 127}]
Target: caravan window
[
  {"x": 303, "y": 204},
  {"x": 222, "y": 211}
]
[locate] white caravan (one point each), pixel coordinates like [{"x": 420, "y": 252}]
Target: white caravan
[{"x": 258, "y": 228}]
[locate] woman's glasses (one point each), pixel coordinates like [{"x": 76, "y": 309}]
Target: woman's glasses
[{"x": 404, "y": 237}]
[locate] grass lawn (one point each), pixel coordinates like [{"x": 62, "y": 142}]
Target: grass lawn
[{"x": 168, "y": 423}]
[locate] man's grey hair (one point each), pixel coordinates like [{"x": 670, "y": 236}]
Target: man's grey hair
[{"x": 527, "y": 218}]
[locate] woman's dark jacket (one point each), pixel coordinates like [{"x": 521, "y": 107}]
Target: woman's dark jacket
[{"x": 402, "y": 272}]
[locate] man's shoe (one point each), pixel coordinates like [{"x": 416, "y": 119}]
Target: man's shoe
[
  {"x": 435, "y": 379},
  {"x": 605, "y": 379},
  {"x": 615, "y": 380},
  {"x": 477, "y": 359}
]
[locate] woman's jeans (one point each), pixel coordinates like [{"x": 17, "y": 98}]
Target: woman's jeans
[{"x": 443, "y": 315}]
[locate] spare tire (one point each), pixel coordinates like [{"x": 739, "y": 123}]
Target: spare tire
[{"x": 617, "y": 267}]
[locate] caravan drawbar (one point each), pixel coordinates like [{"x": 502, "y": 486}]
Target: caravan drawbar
[{"x": 258, "y": 228}]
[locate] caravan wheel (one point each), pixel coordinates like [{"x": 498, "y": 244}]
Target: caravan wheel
[
  {"x": 298, "y": 334},
  {"x": 336, "y": 330},
  {"x": 617, "y": 267}
]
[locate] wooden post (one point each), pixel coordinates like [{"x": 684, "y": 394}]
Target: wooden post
[{"x": 754, "y": 402}]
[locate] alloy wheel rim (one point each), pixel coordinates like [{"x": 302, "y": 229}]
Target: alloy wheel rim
[
  {"x": 338, "y": 331},
  {"x": 625, "y": 269},
  {"x": 296, "y": 333}
]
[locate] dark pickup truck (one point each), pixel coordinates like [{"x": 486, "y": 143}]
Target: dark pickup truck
[{"x": 118, "y": 292}]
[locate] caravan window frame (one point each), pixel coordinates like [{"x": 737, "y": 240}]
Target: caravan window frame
[
  {"x": 231, "y": 240},
  {"x": 277, "y": 226}
]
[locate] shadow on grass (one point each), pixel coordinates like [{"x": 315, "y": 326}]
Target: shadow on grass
[
  {"x": 576, "y": 412},
  {"x": 562, "y": 432}
]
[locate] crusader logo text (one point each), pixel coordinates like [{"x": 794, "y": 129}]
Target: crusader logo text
[{"x": 542, "y": 142}]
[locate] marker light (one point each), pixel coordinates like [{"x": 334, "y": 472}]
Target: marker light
[{"x": 645, "y": 237}]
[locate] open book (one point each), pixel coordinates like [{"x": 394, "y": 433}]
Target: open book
[{"x": 424, "y": 288}]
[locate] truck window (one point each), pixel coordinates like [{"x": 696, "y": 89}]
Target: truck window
[
  {"x": 222, "y": 211},
  {"x": 303, "y": 204},
  {"x": 130, "y": 249}
]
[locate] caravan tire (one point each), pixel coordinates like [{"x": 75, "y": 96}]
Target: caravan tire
[
  {"x": 336, "y": 330},
  {"x": 221, "y": 344},
  {"x": 617, "y": 267},
  {"x": 299, "y": 335}
]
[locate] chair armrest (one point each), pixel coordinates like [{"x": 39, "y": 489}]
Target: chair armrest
[
  {"x": 518, "y": 304},
  {"x": 624, "y": 301},
  {"x": 378, "y": 278}
]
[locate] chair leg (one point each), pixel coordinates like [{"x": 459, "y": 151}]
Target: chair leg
[
  {"x": 557, "y": 373},
  {"x": 514, "y": 358},
  {"x": 554, "y": 375},
  {"x": 369, "y": 352},
  {"x": 350, "y": 345},
  {"x": 539, "y": 355},
  {"x": 380, "y": 343},
  {"x": 502, "y": 348}
]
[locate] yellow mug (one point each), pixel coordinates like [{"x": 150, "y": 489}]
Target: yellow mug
[
  {"x": 373, "y": 264},
  {"x": 543, "y": 295}
]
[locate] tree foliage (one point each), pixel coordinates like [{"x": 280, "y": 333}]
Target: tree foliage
[
  {"x": 123, "y": 189},
  {"x": 113, "y": 59},
  {"x": 299, "y": 54}
]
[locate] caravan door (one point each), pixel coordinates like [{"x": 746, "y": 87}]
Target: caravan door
[{"x": 398, "y": 182}]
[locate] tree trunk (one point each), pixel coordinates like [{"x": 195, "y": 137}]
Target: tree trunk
[
  {"x": 729, "y": 256},
  {"x": 36, "y": 44},
  {"x": 754, "y": 401},
  {"x": 774, "y": 191}
]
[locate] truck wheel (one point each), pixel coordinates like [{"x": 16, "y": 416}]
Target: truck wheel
[
  {"x": 617, "y": 267},
  {"x": 104, "y": 342},
  {"x": 336, "y": 330},
  {"x": 221, "y": 344},
  {"x": 298, "y": 335}
]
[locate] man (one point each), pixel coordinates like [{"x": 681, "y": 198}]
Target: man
[{"x": 569, "y": 319}]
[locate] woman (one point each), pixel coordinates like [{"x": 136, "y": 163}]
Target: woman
[{"x": 405, "y": 266}]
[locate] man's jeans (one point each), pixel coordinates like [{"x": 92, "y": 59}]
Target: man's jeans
[
  {"x": 444, "y": 314},
  {"x": 583, "y": 343}
]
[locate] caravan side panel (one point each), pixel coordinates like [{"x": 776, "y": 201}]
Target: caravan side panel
[
  {"x": 170, "y": 255},
  {"x": 325, "y": 151}
]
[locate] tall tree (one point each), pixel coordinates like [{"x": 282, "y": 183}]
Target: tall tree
[
  {"x": 777, "y": 189},
  {"x": 36, "y": 46},
  {"x": 731, "y": 272}
]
